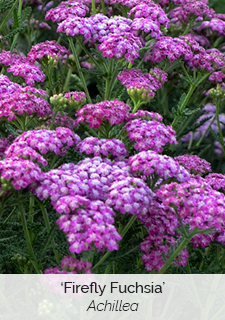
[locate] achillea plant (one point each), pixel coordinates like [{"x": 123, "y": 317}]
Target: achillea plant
[{"x": 112, "y": 137}]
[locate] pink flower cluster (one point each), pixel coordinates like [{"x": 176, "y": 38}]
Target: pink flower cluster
[
  {"x": 114, "y": 112},
  {"x": 149, "y": 134},
  {"x": 71, "y": 266},
  {"x": 103, "y": 147},
  {"x": 194, "y": 164},
  {"x": 47, "y": 48},
  {"x": 149, "y": 163},
  {"x": 86, "y": 222},
  {"x": 23, "y": 101}
]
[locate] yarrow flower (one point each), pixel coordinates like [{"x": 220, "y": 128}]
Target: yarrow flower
[
  {"x": 103, "y": 147},
  {"x": 118, "y": 45},
  {"x": 114, "y": 112},
  {"x": 67, "y": 9},
  {"x": 150, "y": 163},
  {"x": 47, "y": 48},
  {"x": 23, "y": 101},
  {"x": 71, "y": 266},
  {"x": 154, "y": 12},
  {"x": 87, "y": 222},
  {"x": 149, "y": 134},
  {"x": 216, "y": 181},
  {"x": 140, "y": 85},
  {"x": 28, "y": 71},
  {"x": 199, "y": 206},
  {"x": 130, "y": 195},
  {"x": 21, "y": 173},
  {"x": 194, "y": 164},
  {"x": 44, "y": 141},
  {"x": 6, "y": 86}
]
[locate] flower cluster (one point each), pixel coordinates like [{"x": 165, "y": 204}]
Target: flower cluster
[
  {"x": 149, "y": 163},
  {"x": 21, "y": 173},
  {"x": 103, "y": 147},
  {"x": 124, "y": 44},
  {"x": 194, "y": 164},
  {"x": 199, "y": 206},
  {"x": 44, "y": 141},
  {"x": 23, "y": 101},
  {"x": 67, "y": 9},
  {"x": 71, "y": 266},
  {"x": 154, "y": 12},
  {"x": 86, "y": 222},
  {"x": 141, "y": 84},
  {"x": 130, "y": 195},
  {"x": 149, "y": 134},
  {"x": 47, "y": 48},
  {"x": 114, "y": 112},
  {"x": 7, "y": 86}
]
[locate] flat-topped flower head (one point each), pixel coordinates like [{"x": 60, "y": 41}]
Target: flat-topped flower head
[
  {"x": 150, "y": 163},
  {"x": 120, "y": 45},
  {"x": 86, "y": 222},
  {"x": 7, "y": 86},
  {"x": 24, "y": 101},
  {"x": 142, "y": 86},
  {"x": 130, "y": 195},
  {"x": 114, "y": 112},
  {"x": 19, "y": 172},
  {"x": 44, "y": 141},
  {"x": 103, "y": 147},
  {"x": 154, "y": 12},
  {"x": 150, "y": 134},
  {"x": 30, "y": 72},
  {"x": 48, "y": 48},
  {"x": 67, "y": 9},
  {"x": 194, "y": 164}
]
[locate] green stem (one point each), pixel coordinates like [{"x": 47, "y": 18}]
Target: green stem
[
  {"x": 181, "y": 246},
  {"x": 185, "y": 102},
  {"x": 205, "y": 132},
  {"x": 107, "y": 254},
  {"x": 93, "y": 9},
  {"x": 81, "y": 76},
  {"x": 27, "y": 236},
  {"x": 48, "y": 227},
  {"x": 108, "y": 80}
]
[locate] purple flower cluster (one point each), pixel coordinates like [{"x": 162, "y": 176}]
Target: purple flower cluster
[
  {"x": 194, "y": 164},
  {"x": 149, "y": 134},
  {"x": 44, "y": 141},
  {"x": 150, "y": 82},
  {"x": 190, "y": 9},
  {"x": 6, "y": 86},
  {"x": 213, "y": 25},
  {"x": 103, "y": 147},
  {"x": 154, "y": 12},
  {"x": 86, "y": 222},
  {"x": 23, "y": 101},
  {"x": 47, "y": 48},
  {"x": 198, "y": 205},
  {"x": 216, "y": 181},
  {"x": 130, "y": 195},
  {"x": 114, "y": 112},
  {"x": 150, "y": 163},
  {"x": 21, "y": 173},
  {"x": 118, "y": 45},
  {"x": 67, "y": 9},
  {"x": 71, "y": 266}
]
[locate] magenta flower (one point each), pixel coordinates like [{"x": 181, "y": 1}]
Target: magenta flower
[{"x": 114, "y": 112}]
